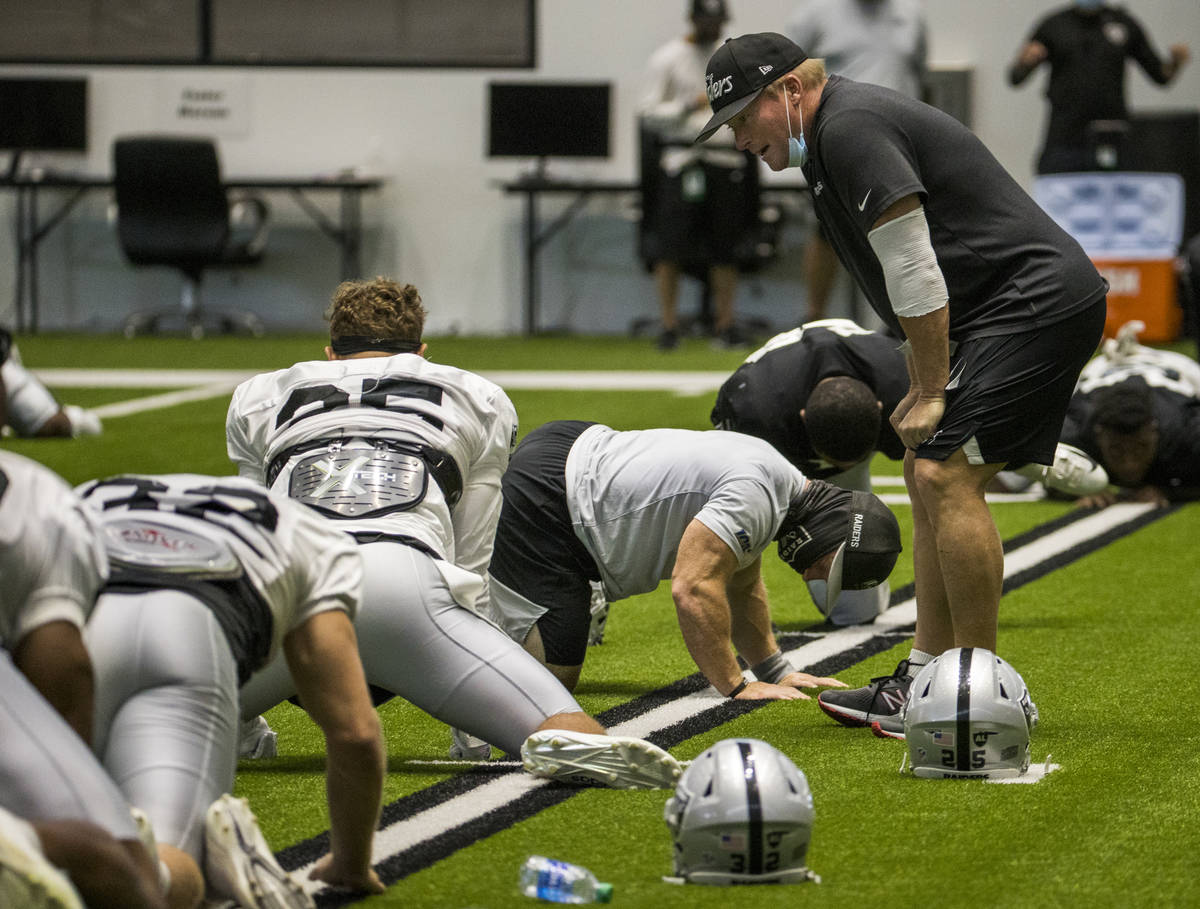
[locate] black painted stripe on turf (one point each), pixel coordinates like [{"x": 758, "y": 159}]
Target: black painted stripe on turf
[
  {"x": 962, "y": 710},
  {"x": 1085, "y": 547},
  {"x": 754, "y": 814},
  {"x": 1044, "y": 530},
  {"x": 433, "y": 850}
]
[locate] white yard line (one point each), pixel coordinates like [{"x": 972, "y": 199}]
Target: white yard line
[
  {"x": 686, "y": 383},
  {"x": 202, "y": 384}
]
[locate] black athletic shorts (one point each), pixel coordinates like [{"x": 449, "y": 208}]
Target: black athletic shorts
[
  {"x": 1008, "y": 394},
  {"x": 710, "y": 229},
  {"x": 537, "y": 553}
]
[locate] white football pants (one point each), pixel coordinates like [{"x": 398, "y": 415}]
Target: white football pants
[
  {"x": 418, "y": 643},
  {"x": 166, "y": 708},
  {"x": 47, "y": 771}
]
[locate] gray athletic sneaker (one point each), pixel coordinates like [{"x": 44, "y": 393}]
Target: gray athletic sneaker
[
  {"x": 257, "y": 740},
  {"x": 466, "y": 747},
  {"x": 239, "y": 865},
  {"x": 599, "y": 609},
  {"x": 876, "y": 701},
  {"x": 618, "y": 762}
]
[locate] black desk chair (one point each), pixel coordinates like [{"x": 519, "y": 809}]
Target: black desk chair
[{"x": 172, "y": 210}]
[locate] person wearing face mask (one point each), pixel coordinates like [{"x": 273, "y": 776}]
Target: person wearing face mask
[
  {"x": 879, "y": 41},
  {"x": 699, "y": 208},
  {"x": 999, "y": 306},
  {"x": 1086, "y": 45}
]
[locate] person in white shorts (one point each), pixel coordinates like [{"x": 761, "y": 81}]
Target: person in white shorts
[
  {"x": 584, "y": 502},
  {"x": 405, "y": 456},
  {"x": 210, "y": 577},
  {"x": 51, "y": 784}
]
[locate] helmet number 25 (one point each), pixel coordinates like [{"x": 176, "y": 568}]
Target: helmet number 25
[{"x": 977, "y": 758}]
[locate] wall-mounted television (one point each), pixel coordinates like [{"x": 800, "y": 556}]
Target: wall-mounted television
[
  {"x": 549, "y": 119},
  {"x": 42, "y": 115}
]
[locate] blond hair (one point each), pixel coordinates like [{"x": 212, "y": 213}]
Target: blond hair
[
  {"x": 380, "y": 308},
  {"x": 811, "y": 74}
]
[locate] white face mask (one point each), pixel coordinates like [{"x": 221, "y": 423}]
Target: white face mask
[{"x": 797, "y": 147}]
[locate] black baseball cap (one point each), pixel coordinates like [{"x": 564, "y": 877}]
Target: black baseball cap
[
  {"x": 712, "y": 9},
  {"x": 865, "y": 532},
  {"x": 740, "y": 69}
]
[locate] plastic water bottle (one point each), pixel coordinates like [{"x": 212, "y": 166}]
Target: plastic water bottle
[{"x": 561, "y": 882}]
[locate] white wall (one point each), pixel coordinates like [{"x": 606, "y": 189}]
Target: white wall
[{"x": 441, "y": 222}]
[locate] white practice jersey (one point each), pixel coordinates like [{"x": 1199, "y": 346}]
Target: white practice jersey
[
  {"x": 51, "y": 559},
  {"x": 672, "y": 88},
  {"x": 194, "y": 528},
  {"x": 320, "y": 430},
  {"x": 631, "y": 496}
]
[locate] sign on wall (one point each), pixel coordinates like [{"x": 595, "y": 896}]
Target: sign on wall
[{"x": 213, "y": 104}]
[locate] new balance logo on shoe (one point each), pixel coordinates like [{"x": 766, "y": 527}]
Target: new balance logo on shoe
[{"x": 881, "y": 699}]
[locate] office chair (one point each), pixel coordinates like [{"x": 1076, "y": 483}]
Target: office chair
[{"x": 172, "y": 209}]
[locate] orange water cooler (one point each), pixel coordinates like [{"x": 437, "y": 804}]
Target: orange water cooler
[{"x": 1131, "y": 225}]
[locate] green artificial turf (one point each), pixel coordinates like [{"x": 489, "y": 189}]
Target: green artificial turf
[{"x": 1105, "y": 644}]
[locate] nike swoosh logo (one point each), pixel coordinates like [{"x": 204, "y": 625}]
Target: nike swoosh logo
[
  {"x": 955, "y": 375},
  {"x": 863, "y": 204}
]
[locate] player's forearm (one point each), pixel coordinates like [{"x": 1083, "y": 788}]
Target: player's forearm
[
  {"x": 56, "y": 662},
  {"x": 354, "y": 788},
  {"x": 704, "y": 620},
  {"x": 751, "y": 622},
  {"x": 929, "y": 351}
]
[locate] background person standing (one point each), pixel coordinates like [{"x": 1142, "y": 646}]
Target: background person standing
[
  {"x": 699, "y": 208},
  {"x": 1086, "y": 45},
  {"x": 878, "y": 41}
]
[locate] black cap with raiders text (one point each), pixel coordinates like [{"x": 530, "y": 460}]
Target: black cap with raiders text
[
  {"x": 869, "y": 551},
  {"x": 710, "y": 9},
  {"x": 740, "y": 69}
]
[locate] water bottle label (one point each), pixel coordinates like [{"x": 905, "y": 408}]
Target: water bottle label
[{"x": 551, "y": 879}]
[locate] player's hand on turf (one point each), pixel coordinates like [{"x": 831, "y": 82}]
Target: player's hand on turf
[
  {"x": 765, "y": 691},
  {"x": 804, "y": 680},
  {"x": 327, "y": 870},
  {"x": 1097, "y": 500}
]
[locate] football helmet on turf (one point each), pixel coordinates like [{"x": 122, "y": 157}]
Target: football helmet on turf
[
  {"x": 742, "y": 813},
  {"x": 968, "y": 714}
]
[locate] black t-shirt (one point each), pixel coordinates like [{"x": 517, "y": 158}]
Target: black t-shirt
[
  {"x": 1087, "y": 53},
  {"x": 765, "y": 395},
  {"x": 1008, "y": 267},
  {"x": 1176, "y": 462}
]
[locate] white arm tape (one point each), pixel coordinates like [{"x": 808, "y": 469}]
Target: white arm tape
[{"x": 910, "y": 270}]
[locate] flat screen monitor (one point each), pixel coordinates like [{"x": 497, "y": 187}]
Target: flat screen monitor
[
  {"x": 43, "y": 114},
  {"x": 548, "y": 119}
]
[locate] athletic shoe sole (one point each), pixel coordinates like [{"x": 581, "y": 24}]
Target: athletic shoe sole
[
  {"x": 882, "y": 733},
  {"x": 27, "y": 879},
  {"x": 844, "y": 715},
  {"x": 239, "y": 863},
  {"x": 585, "y": 759}
]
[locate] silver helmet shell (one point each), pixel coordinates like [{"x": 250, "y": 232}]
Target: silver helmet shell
[
  {"x": 968, "y": 714},
  {"x": 742, "y": 813}
]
